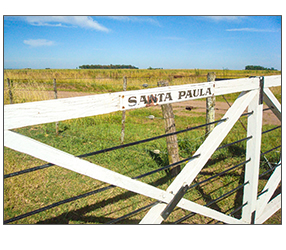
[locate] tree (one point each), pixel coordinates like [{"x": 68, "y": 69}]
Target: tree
[
  {"x": 111, "y": 66},
  {"x": 255, "y": 67}
]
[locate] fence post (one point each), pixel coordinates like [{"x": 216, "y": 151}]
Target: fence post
[
  {"x": 172, "y": 142},
  {"x": 123, "y": 113},
  {"x": 56, "y": 97},
  {"x": 210, "y": 106},
  {"x": 10, "y": 91},
  {"x": 251, "y": 175}
]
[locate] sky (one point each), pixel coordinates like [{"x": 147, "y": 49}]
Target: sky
[{"x": 169, "y": 42}]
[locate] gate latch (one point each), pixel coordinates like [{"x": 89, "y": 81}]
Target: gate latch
[
  {"x": 178, "y": 196},
  {"x": 261, "y": 86}
]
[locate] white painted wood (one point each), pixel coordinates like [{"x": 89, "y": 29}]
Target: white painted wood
[
  {"x": 154, "y": 219},
  {"x": 254, "y": 129},
  {"x": 166, "y": 95},
  {"x": 270, "y": 186},
  {"x": 214, "y": 139},
  {"x": 236, "y": 85},
  {"x": 27, "y": 114},
  {"x": 272, "y": 81},
  {"x": 210, "y": 106},
  {"x": 32, "y": 113},
  {"x": 272, "y": 207},
  {"x": 245, "y": 84},
  {"x": 271, "y": 101},
  {"x": 47, "y": 153}
]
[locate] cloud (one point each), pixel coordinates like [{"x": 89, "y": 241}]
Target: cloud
[
  {"x": 225, "y": 18},
  {"x": 251, "y": 30},
  {"x": 120, "y": 18},
  {"x": 38, "y": 42},
  {"x": 66, "y": 21},
  {"x": 138, "y": 19}
]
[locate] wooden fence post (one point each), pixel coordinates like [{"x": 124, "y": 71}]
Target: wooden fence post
[
  {"x": 210, "y": 106},
  {"x": 123, "y": 113},
  {"x": 10, "y": 91},
  {"x": 56, "y": 97},
  {"x": 172, "y": 142}
]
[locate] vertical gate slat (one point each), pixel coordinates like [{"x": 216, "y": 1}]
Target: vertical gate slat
[{"x": 254, "y": 128}]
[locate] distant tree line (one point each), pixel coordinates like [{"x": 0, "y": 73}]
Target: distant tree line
[
  {"x": 111, "y": 66},
  {"x": 254, "y": 67},
  {"x": 150, "y": 68}
]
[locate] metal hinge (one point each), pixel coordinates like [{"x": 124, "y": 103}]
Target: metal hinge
[{"x": 261, "y": 87}]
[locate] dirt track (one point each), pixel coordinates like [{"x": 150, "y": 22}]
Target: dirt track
[
  {"x": 198, "y": 106},
  {"x": 222, "y": 107}
]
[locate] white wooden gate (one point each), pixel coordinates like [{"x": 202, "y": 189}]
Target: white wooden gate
[{"x": 253, "y": 92}]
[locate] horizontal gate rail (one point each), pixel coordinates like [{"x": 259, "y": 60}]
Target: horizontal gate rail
[
  {"x": 255, "y": 209},
  {"x": 27, "y": 114}
]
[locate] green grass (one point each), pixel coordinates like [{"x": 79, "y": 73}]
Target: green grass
[{"x": 25, "y": 193}]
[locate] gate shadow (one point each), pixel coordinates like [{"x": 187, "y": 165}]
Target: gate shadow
[
  {"x": 79, "y": 214},
  {"x": 233, "y": 151}
]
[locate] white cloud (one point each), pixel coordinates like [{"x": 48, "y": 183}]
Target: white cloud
[
  {"x": 138, "y": 19},
  {"x": 120, "y": 18},
  {"x": 252, "y": 30},
  {"x": 66, "y": 21},
  {"x": 225, "y": 18},
  {"x": 38, "y": 42}
]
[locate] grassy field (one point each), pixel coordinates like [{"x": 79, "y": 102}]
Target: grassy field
[
  {"x": 38, "y": 189},
  {"x": 31, "y": 85}
]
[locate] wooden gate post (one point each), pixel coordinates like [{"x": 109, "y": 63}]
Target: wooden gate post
[
  {"x": 172, "y": 142},
  {"x": 123, "y": 113},
  {"x": 210, "y": 106},
  {"x": 56, "y": 97},
  {"x": 10, "y": 91}
]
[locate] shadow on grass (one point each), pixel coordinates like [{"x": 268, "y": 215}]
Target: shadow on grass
[
  {"x": 233, "y": 151},
  {"x": 79, "y": 214}
]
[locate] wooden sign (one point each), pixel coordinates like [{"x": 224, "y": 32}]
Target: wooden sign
[{"x": 164, "y": 95}]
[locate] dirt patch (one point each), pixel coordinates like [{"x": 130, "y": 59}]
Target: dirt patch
[{"x": 199, "y": 106}]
